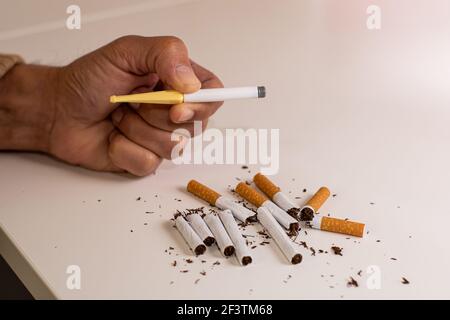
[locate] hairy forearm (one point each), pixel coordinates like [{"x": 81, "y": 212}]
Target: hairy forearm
[{"x": 27, "y": 107}]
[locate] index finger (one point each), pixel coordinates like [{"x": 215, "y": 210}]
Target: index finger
[{"x": 187, "y": 112}]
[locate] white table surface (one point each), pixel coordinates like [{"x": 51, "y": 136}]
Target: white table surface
[{"x": 363, "y": 112}]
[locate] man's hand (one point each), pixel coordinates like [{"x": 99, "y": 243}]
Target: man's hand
[{"x": 73, "y": 120}]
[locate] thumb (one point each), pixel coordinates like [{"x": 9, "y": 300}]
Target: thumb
[{"x": 166, "y": 56}]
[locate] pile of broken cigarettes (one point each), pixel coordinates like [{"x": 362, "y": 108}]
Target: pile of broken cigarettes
[{"x": 276, "y": 212}]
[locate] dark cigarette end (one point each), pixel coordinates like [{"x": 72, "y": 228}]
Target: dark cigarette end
[
  {"x": 251, "y": 219},
  {"x": 261, "y": 92},
  {"x": 307, "y": 214},
  {"x": 246, "y": 260},
  {"x": 228, "y": 251},
  {"x": 209, "y": 241},
  {"x": 294, "y": 227},
  {"x": 176, "y": 215},
  {"x": 296, "y": 259},
  {"x": 200, "y": 249},
  {"x": 294, "y": 212}
]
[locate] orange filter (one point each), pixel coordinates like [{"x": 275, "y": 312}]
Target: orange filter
[
  {"x": 318, "y": 199},
  {"x": 313, "y": 205},
  {"x": 203, "y": 192},
  {"x": 251, "y": 195},
  {"x": 266, "y": 186},
  {"x": 342, "y": 226}
]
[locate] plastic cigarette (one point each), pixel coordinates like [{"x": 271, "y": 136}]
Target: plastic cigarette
[
  {"x": 192, "y": 238},
  {"x": 313, "y": 205},
  {"x": 259, "y": 200},
  {"x": 279, "y": 235},
  {"x": 242, "y": 252},
  {"x": 221, "y": 202},
  {"x": 202, "y": 95},
  {"x": 220, "y": 234},
  {"x": 338, "y": 225},
  {"x": 274, "y": 193},
  {"x": 200, "y": 227}
]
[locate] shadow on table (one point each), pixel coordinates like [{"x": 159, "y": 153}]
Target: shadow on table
[
  {"x": 45, "y": 161},
  {"x": 11, "y": 287}
]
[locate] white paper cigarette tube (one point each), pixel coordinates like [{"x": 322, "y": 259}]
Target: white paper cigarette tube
[
  {"x": 239, "y": 211},
  {"x": 200, "y": 227},
  {"x": 242, "y": 251},
  {"x": 283, "y": 201},
  {"x": 222, "y": 94},
  {"x": 314, "y": 223},
  {"x": 220, "y": 234},
  {"x": 279, "y": 235},
  {"x": 192, "y": 239},
  {"x": 281, "y": 216}
]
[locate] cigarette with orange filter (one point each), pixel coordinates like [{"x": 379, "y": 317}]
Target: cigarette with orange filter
[
  {"x": 337, "y": 225},
  {"x": 313, "y": 205},
  {"x": 276, "y": 195},
  {"x": 192, "y": 238},
  {"x": 259, "y": 200},
  {"x": 215, "y": 199},
  {"x": 280, "y": 237}
]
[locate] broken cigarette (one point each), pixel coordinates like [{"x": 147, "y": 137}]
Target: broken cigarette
[
  {"x": 259, "y": 200},
  {"x": 192, "y": 239},
  {"x": 274, "y": 193},
  {"x": 200, "y": 227},
  {"x": 313, "y": 205},
  {"x": 220, "y": 234},
  {"x": 221, "y": 202},
  {"x": 279, "y": 235},
  {"x": 242, "y": 251},
  {"x": 337, "y": 225}
]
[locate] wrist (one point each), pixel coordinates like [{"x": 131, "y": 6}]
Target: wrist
[{"x": 27, "y": 107}]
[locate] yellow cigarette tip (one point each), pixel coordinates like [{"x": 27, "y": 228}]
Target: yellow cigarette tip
[{"x": 156, "y": 97}]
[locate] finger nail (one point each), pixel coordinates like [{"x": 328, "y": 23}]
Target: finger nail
[
  {"x": 117, "y": 116},
  {"x": 186, "y": 75},
  {"x": 186, "y": 115}
]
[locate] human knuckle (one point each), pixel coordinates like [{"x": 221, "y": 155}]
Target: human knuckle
[
  {"x": 114, "y": 146},
  {"x": 126, "y": 124},
  {"x": 167, "y": 148},
  {"x": 148, "y": 165},
  {"x": 126, "y": 40},
  {"x": 171, "y": 42}
]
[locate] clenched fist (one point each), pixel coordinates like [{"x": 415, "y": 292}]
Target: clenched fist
[{"x": 65, "y": 111}]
